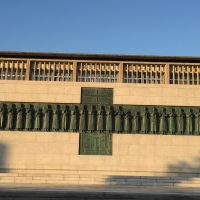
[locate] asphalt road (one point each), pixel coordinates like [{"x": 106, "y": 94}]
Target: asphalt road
[{"x": 42, "y": 192}]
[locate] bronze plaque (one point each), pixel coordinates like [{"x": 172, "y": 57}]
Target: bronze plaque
[{"x": 95, "y": 144}]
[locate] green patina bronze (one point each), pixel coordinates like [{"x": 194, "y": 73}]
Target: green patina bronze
[
  {"x": 95, "y": 143},
  {"x": 96, "y": 118},
  {"x": 100, "y": 118}
]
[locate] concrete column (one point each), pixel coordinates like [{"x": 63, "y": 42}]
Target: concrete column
[
  {"x": 121, "y": 72},
  {"x": 167, "y": 74},
  {"x": 74, "y": 71},
  {"x": 28, "y": 66}
]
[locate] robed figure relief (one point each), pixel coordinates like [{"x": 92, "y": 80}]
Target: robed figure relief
[
  {"x": 119, "y": 120},
  {"x": 163, "y": 122},
  {"x": 38, "y": 119},
  {"x": 127, "y": 122},
  {"x": 101, "y": 119},
  {"x": 56, "y": 119},
  {"x": 83, "y": 119},
  {"x": 19, "y": 118},
  {"x": 109, "y": 119},
  {"x": 74, "y": 119},
  {"x": 172, "y": 122},
  {"x": 29, "y": 118},
  {"x": 145, "y": 121},
  {"x": 197, "y": 122},
  {"x": 181, "y": 117},
  {"x": 154, "y": 121},
  {"x": 136, "y": 122},
  {"x": 2, "y": 116},
  {"x": 92, "y": 115},
  {"x": 10, "y": 118},
  {"x": 190, "y": 117},
  {"x": 65, "y": 118},
  {"x": 47, "y": 115}
]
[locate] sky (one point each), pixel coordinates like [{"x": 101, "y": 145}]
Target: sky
[{"x": 140, "y": 27}]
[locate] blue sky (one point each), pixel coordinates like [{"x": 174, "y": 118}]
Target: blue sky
[{"x": 147, "y": 27}]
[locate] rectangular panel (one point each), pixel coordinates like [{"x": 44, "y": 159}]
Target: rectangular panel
[
  {"x": 89, "y": 99},
  {"x": 95, "y": 144},
  {"x": 105, "y": 92},
  {"x": 105, "y": 100},
  {"x": 89, "y": 91}
]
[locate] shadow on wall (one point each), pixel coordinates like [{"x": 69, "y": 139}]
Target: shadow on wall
[
  {"x": 178, "y": 174},
  {"x": 2, "y": 158}
]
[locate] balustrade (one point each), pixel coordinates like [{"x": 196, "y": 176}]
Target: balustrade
[{"x": 99, "y": 71}]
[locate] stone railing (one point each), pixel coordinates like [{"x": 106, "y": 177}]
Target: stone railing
[
  {"x": 100, "y": 118},
  {"x": 99, "y": 71}
]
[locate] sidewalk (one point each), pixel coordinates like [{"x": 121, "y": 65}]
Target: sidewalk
[{"x": 95, "y": 192}]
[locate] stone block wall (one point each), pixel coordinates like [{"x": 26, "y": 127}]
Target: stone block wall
[
  {"x": 44, "y": 157},
  {"x": 70, "y": 92},
  {"x": 136, "y": 160}
]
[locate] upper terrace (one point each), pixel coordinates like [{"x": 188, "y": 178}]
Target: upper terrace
[{"x": 99, "y": 68}]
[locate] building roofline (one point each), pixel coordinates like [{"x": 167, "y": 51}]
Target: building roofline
[{"x": 111, "y": 57}]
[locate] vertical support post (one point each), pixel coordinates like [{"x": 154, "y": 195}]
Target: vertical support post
[
  {"x": 28, "y": 66},
  {"x": 167, "y": 74},
  {"x": 120, "y": 72},
  {"x": 74, "y": 71}
]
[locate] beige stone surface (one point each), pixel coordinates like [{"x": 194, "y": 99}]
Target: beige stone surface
[
  {"x": 133, "y": 154},
  {"x": 70, "y": 92}
]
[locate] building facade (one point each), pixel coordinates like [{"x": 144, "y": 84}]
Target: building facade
[{"x": 99, "y": 119}]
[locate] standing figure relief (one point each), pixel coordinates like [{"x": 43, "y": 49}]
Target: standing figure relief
[
  {"x": 119, "y": 114},
  {"x": 29, "y": 117},
  {"x": 99, "y": 118},
  {"x": 83, "y": 119},
  {"x": 2, "y": 116},
  {"x": 10, "y": 117},
  {"x": 145, "y": 120},
  {"x": 65, "y": 118},
  {"x": 110, "y": 119},
  {"x": 127, "y": 122},
  {"x": 38, "y": 119},
  {"x": 136, "y": 122},
  {"x": 19, "y": 123},
  {"x": 47, "y": 115},
  {"x": 181, "y": 121},
  {"x": 190, "y": 121},
  {"x": 197, "y": 122},
  {"x": 92, "y": 117},
  {"x": 154, "y": 121},
  {"x": 172, "y": 122},
  {"x": 56, "y": 118},
  {"x": 74, "y": 119},
  {"x": 163, "y": 122}
]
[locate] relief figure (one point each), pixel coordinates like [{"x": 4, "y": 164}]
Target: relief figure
[
  {"x": 74, "y": 119},
  {"x": 119, "y": 120},
  {"x": 92, "y": 115},
  {"x": 190, "y": 117},
  {"x": 109, "y": 119},
  {"x": 154, "y": 121},
  {"x": 56, "y": 118},
  {"x": 163, "y": 121},
  {"x": 65, "y": 118},
  {"x": 83, "y": 119},
  {"x": 29, "y": 118},
  {"x": 100, "y": 119},
  {"x": 145, "y": 121},
  {"x": 136, "y": 122}
]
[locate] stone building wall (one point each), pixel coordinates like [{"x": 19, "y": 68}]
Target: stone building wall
[
  {"x": 135, "y": 160},
  {"x": 70, "y": 92}
]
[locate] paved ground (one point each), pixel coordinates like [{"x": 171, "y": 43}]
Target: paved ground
[{"x": 41, "y": 192}]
